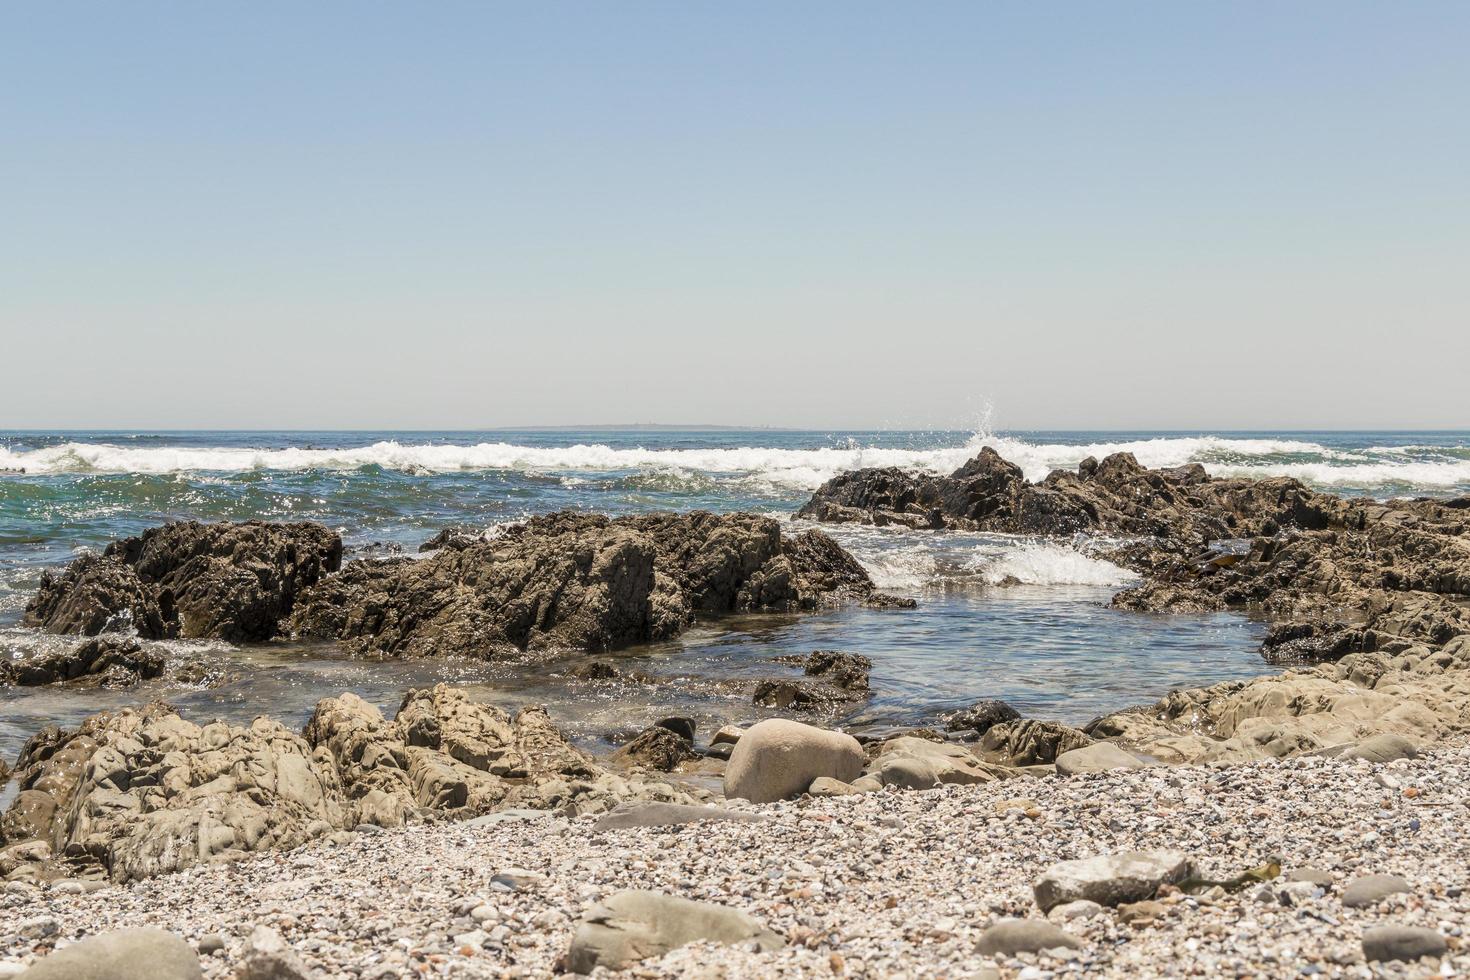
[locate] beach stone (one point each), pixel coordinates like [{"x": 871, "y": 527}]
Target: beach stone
[
  {"x": 1031, "y": 742},
  {"x": 1372, "y": 889},
  {"x": 1080, "y": 909},
  {"x": 671, "y": 814},
  {"x": 906, "y": 772},
  {"x": 1383, "y": 748},
  {"x": 1098, "y": 757},
  {"x": 866, "y": 784},
  {"x": 633, "y": 925},
  {"x": 721, "y": 751},
  {"x": 1407, "y": 943},
  {"x": 727, "y": 734},
  {"x": 267, "y": 956},
  {"x": 1111, "y": 879},
  {"x": 128, "y": 954},
  {"x": 778, "y": 759},
  {"x": 825, "y": 786},
  {"x": 1011, "y": 936},
  {"x": 1316, "y": 876},
  {"x": 518, "y": 879},
  {"x": 212, "y": 943}
]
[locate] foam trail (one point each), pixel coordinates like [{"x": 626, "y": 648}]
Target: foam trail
[{"x": 1035, "y": 563}]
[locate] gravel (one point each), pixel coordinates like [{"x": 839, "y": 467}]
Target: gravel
[{"x": 881, "y": 884}]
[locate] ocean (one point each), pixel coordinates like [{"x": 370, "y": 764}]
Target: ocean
[{"x": 998, "y": 616}]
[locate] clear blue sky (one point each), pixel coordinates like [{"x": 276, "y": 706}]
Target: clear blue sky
[{"x": 470, "y": 214}]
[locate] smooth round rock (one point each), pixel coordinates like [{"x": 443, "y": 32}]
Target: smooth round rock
[
  {"x": 1372, "y": 889},
  {"x": 778, "y": 759},
  {"x": 128, "y": 954},
  {"x": 1407, "y": 943},
  {"x": 1098, "y": 757},
  {"x": 1383, "y": 748}
]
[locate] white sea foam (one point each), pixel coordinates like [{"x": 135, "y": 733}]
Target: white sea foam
[
  {"x": 1040, "y": 563},
  {"x": 774, "y": 468}
]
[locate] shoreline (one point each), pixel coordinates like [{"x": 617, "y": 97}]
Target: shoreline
[{"x": 837, "y": 879}]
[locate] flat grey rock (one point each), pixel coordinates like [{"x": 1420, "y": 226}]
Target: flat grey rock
[
  {"x": 1383, "y": 748},
  {"x": 633, "y": 925},
  {"x": 1098, "y": 757},
  {"x": 1111, "y": 879},
  {"x": 670, "y": 814},
  {"x": 128, "y": 954},
  {"x": 1372, "y": 889},
  {"x": 1407, "y": 943},
  {"x": 1011, "y": 936},
  {"x": 507, "y": 816}
]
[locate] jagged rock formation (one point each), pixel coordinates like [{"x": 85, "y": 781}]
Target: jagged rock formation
[
  {"x": 233, "y": 582},
  {"x": 573, "y": 580},
  {"x": 144, "y": 792},
  {"x": 103, "y": 661}
]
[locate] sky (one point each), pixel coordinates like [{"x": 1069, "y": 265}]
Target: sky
[{"x": 850, "y": 215}]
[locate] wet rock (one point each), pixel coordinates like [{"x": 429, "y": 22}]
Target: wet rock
[
  {"x": 685, "y": 728},
  {"x": 127, "y": 954},
  {"x": 799, "y": 696},
  {"x": 634, "y": 925},
  {"x": 728, "y": 734},
  {"x": 1097, "y": 757},
  {"x": 1114, "y": 879},
  {"x": 778, "y": 759},
  {"x": 657, "y": 748},
  {"x": 573, "y": 580},
  {"x": 847, "y": 671},
  {"x": 1011, "y": 936},
  {"x": 981, "y": 716},
  {"x": 1369, "y": 890},
  {"x": 107, "y": 661},
  {"x": 231, "y": 581},
  {"x": 456, "y": 538},
  {"x": 1406, "y": 943}
]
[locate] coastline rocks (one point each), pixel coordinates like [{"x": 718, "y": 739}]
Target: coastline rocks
[
  {"x": 1406, "y": 943},
  {"x": 981, "y": 717},
  {"x": 116, "y": 662},
  {"x": 267, "y": 956},
  {"x": 778, "y": 759},
  {"x": 634, "y": 925},
  {"x": 669, "y": 815},
  {"x": 1114, "y": 879},
  {"x": 572, "y": 580},
  {"x": 919, "y": 763},
  {"x": 656, "y": 747},
  {"x": 229, "y": 581},
  {"x": 143, "y": 792},
  {"x": 1030, "y": 742},
  {"x": 127, "y": 954},
  {"x": 1383, "y": 748}
]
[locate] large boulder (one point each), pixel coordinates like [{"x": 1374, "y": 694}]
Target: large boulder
[
  {"x": 127, "y": 954},
  {"x": 634, "y": 925},
  {"x": 908, "y": 762},
  {"x": 778, "y": 759},
  {"x": 230, "y": 581},
  {"x": 573, "y": 580},
  {"x": 145, "y": 792}
]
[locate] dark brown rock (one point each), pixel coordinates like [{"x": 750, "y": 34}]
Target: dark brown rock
[
  {"x": 105, "y": 661},
  {"x": 233, "y": 582}
]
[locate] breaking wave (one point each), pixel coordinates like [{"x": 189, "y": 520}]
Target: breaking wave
[{"x": 779, "y": 469}]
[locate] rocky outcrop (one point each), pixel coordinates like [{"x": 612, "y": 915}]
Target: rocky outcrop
[
  {"x": 233, "y": 582},
  {"x": 106, "y": 661},
  {"x": 1422, "y": 693},
  {"x": 573, "y": 580},
  {"x": 144, "y": 792}
]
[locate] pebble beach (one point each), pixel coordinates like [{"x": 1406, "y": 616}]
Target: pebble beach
[{"x": 882, "y": 884}]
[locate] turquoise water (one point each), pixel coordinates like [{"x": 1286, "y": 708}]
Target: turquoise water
[{"x": 1048, "y": 645}]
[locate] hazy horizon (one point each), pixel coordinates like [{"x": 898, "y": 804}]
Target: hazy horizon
[{"x": 1139, "y": 216}]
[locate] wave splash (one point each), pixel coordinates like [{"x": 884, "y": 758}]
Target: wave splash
[{"x": 778, "y": 469}]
